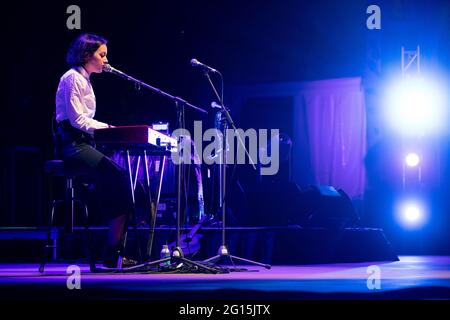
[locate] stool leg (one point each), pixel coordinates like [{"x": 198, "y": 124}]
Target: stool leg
[
  {"x": 91, "y": 256},
  {"x": 70, "y": 202},
  {"x": 88, "y": 235},
  {"x": 49, "y": 243}
]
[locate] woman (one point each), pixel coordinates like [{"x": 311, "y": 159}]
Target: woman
[{"x": 75, "y": 111}]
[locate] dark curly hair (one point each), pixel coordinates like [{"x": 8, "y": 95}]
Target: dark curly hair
[{"x": 82, "y": 48}]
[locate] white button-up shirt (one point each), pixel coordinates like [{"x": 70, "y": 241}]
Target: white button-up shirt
[{"x": 75, "y": 101}]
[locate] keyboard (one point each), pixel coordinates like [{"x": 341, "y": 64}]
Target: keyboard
[{"x": 132, "y": 137}]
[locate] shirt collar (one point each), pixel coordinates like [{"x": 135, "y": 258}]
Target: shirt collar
[{"x": 83, "y": 72}]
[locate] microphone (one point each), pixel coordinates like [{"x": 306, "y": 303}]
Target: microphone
[
  {"x": 215, "y": 105},
  {"x": 108, "y": 68},
  {"x": 196, "y": 63}
]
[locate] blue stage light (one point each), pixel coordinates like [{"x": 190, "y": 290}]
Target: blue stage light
[
  {"x": 416, "y": 106},
  {"x": 412, "y": 159},
  {"x": 411, "y": 214}
]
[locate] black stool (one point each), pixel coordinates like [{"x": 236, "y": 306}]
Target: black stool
[{"x": 56, "y": 168}]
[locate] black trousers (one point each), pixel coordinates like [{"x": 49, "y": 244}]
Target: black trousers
[
  {"x": 111, "y": 181},
  {"x": 80, "y": 156}
]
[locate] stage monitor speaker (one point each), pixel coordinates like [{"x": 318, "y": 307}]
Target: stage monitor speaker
[{"x": 324, "y": 206}]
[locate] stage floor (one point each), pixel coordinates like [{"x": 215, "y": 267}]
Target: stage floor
[{"x": 413, "y": 277}]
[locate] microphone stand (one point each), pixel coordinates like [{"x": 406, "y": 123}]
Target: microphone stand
[
  {"x": 177, "y": 253},
  {"x": 223, "y": 251},
  {"x": 139, "y": 84}
]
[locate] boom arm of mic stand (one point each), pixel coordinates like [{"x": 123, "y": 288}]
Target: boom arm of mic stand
[
  {"x": 162, "y": 93},
  {"x": 230, "y": 121}
]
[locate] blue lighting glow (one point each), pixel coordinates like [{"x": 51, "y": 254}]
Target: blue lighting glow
[
  {"x": 416, "y": 106},
  {"x": 412, "y": 159},
  {"x": 411, "y": 214}
]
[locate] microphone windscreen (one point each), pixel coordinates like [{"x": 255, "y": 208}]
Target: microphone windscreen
[
  {"x": 194, "y": 62},
  {"x": 215, "y": 105},
  {"x": 107, "y": 67}
]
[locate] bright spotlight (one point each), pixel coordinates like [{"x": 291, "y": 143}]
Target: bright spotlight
[
  {"x": 416, "y": 106},
  {"x": 412, "y": 159},
  {"x": 411, "y": 215}
]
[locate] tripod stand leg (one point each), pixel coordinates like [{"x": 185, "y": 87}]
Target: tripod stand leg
[
  {"x": 172, "y": 259},
  {"x": 224, "y": 253},
  {"x": 231, "y": 257},
  {"x": 267, "y": 266},
  {"x": 177, "y": 256},
  {"x": 213, "y": 259},
  {"x": 197, "y": 264},
  {"x": 147, "y": 264}
]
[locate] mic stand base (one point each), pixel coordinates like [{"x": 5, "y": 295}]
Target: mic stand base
[
  {"x": 224, "y": 253},
  {"x": 176, "y": 258}
]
